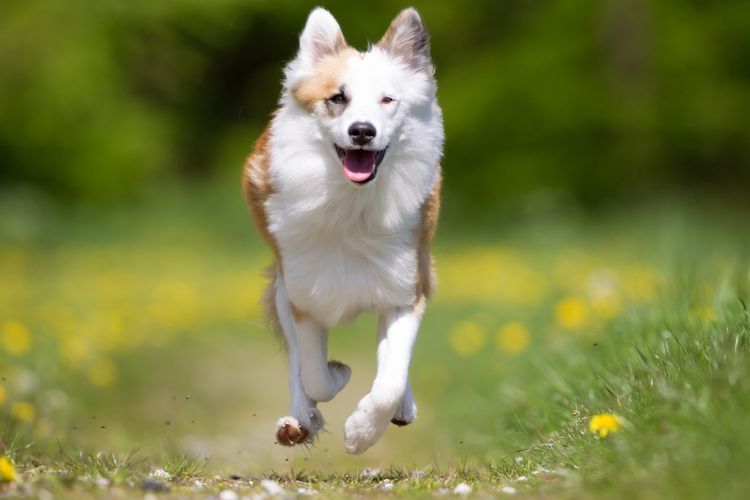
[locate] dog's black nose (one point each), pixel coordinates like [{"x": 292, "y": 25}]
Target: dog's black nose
[{"x": 362, "y": 132}]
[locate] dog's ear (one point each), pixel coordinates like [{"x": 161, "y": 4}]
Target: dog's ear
[
  {"x": 322, "y": 36},
  {"x": 408, "y": 40}
]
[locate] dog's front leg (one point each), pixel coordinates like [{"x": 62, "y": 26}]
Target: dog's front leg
[
  {"x": 406, "y": 411},
  {"x": 304, "y": 419},
  {"x": 397, "y": 333}
]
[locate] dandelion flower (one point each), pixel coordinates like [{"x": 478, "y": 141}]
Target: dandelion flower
[
  {"x": 7, "y": 471},
  {"x": 512, "y": 338},
  {"x": 604, "y": 423},
  {"x": 704, "y": 313},
  {"x": 571, "y": 313},
  {"x": 23, "y": 411},
  {"x": 466, "y": 338},
  {"x": 15, "y": 338}
]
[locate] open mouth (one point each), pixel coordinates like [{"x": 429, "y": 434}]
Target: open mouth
[{"x": 360, "y": 165}]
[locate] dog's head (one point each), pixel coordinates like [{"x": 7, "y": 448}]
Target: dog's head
[{"x": 361, "y": 100}]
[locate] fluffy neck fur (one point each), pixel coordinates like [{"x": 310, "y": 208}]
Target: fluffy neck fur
[{"x": 308, "y": 179}]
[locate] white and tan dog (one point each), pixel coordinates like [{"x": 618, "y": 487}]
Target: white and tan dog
[{"x": 344, "y": 186}]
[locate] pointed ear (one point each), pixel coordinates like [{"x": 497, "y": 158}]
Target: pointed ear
[
  {"x": 322, "y": 36},
  {"x": 407, "y": 39}
]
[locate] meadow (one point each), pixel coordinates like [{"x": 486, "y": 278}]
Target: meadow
[
  {"x": 589, "y": 334},
  {"x": 566, "y": 354}
]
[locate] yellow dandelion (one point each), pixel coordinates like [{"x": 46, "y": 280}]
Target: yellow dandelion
[
  {"x": 22, "y": 411},
  {"x": 467, "y": 337},
  {"x": 7, "y": 471},
  {"x": 704, "y": 313},
  {"x": 604, "y": 423},
  {"x": 571, "y": 313},
  {"x": 103, "y": 373},
  {"x": 15, "y": 338},
  {"x": 3, "y": 395},
  {"x": 512, "y": 338}
]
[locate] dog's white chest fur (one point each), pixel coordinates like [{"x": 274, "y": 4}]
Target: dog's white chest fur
[
  {"x": 337, "y": 274},
  {"x": 344, "y": 249}
]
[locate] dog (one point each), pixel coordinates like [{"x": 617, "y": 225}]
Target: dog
[{"x": 344, "y": 186}]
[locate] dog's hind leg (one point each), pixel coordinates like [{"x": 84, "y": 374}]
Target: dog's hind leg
[
  {"x": 304, "y": 419},
  {"x": 397, "y": 334},
  {"x": 322, "y": 379}
]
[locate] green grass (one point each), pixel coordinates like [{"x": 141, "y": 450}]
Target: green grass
[{"x": 147, "y": 352}]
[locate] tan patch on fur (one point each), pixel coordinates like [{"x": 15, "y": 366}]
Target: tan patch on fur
[
  {"x": 425, "y": 265},
  {"x": 256, "y": 181},
  {"x": 325, "y": 80}
]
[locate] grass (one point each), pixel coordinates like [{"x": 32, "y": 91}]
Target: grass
[{"x": 133, "y": 355}]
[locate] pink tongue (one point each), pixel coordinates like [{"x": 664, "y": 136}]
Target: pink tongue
[{"x": 359, "y": 164}]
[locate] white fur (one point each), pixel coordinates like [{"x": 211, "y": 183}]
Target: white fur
[
  {"x": 347, "y": 248},
  {"x": 396, "y": 336},
  {"x": 303, "y": 409}
]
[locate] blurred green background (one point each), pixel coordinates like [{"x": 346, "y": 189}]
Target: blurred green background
[
  {"x": 589, "y": 100},
  {"x": 596, "y": 178}
]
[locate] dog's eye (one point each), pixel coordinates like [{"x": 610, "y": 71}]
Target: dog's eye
[
  {"x": 387, "y": 99},
  {"x": 338, "y": 98}
]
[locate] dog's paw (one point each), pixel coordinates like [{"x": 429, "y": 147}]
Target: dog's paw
[
  {"x": 340, "y": 374},
  {"x": 290, "y": 432},
  {"x": 406, "y": 412},
  {"x": 364, "y": 427}
]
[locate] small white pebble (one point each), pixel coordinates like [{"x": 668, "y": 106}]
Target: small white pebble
[
  {"x": 272, "y": 487},
  {"x": 462, "y": 489},
  {"x": 228, "y": 495},
  {"x": 521, "y": 478},
  {"x": 161, "y": 474},
  {"x": 519, "y": 459},
  {"x": 101, "y": 482},
  {"x": 370, "y": 473},
  {"x": 387, "y": 486},
  {"x": 442, "y": 492},
  {"x": 510, "y": 490},
  {"x": 306, "y": 491}
]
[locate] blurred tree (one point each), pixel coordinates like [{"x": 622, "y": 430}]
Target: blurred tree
[{"x": 101, "y": 98}]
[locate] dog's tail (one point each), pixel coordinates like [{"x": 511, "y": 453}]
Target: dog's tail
[{"x": 269, "y": 303}]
